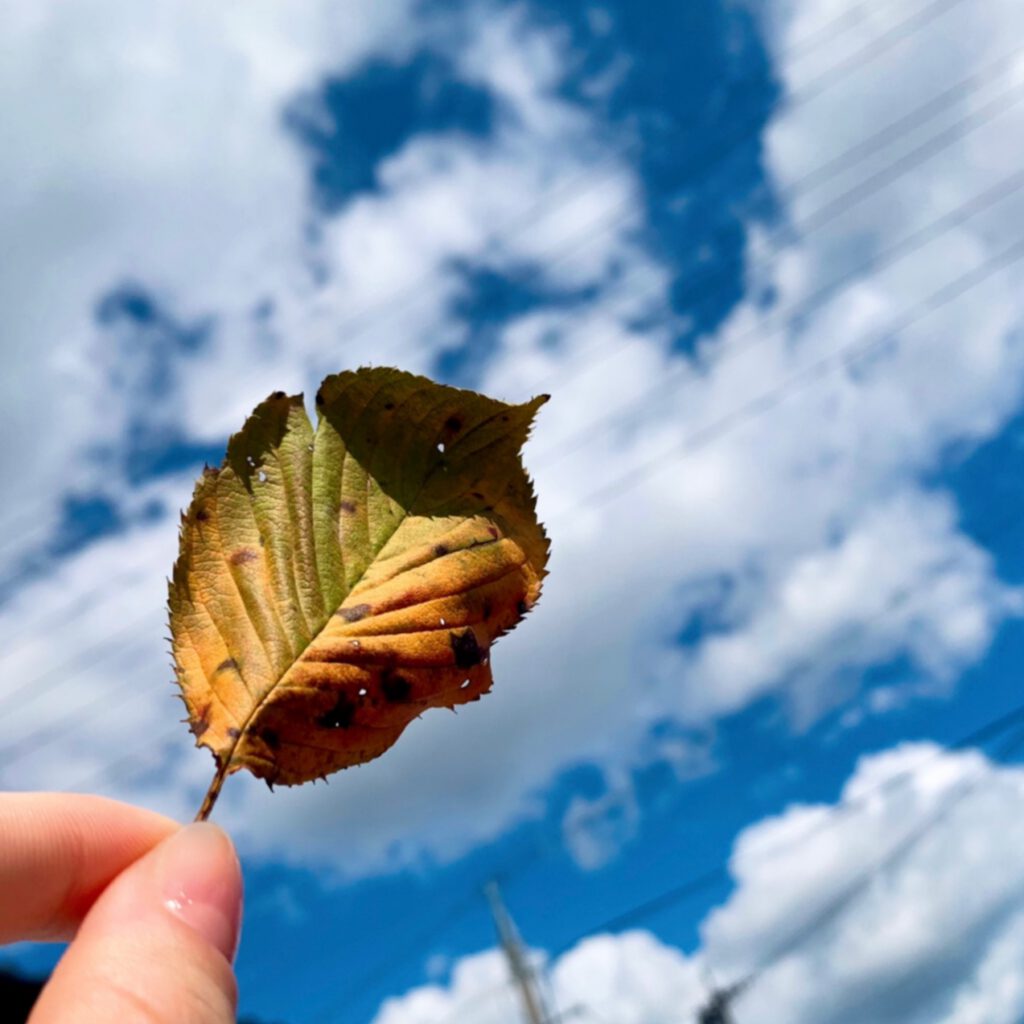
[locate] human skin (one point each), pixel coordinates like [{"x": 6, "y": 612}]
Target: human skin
[{"x": 152, "y": 910}]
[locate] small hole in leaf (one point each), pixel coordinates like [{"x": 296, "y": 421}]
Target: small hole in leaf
[
  {"x": 261, "y": 476},
  {"x": 250, "y": 460},
  {"x": 440, "y": 446},
  {"x": 363, "y": 691},
  {"x": 443, "y": 623},
  {"x": 465, "y": 684},
  {"x": 354, "y": 643}
]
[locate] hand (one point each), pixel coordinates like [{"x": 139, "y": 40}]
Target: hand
[{"x": 154, "y": 908}]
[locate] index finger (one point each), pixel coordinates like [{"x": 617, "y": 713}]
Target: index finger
[{"x": 59, "y": 852}]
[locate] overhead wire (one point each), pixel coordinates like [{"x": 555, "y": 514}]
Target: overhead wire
[
  {"x": 947, "y": 291},
  {"x": 717, "y": 875},
  {"x": 989, "y": 730},
  {"x": 945, "y": 5},
  {"x": 834, "y": 208},
  {"x": 779, "y": 319},
  {"x": 776, "y": 394},
  {"x": 770, "y": 398},
  {"x": 910, "y": 243},
  {"x": 841, "y": 901},
  {"x": 663, "y": 900},
  {"x": 372, "y": 314},
  {"x": 833, "y": 907}
]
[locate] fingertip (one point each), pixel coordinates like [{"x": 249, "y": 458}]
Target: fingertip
[
  {"x": 200, "y": 882},
  {"x": 160, "y": 940}
]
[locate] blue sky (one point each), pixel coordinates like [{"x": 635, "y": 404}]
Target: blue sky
[{"x": 762, "y": 255}]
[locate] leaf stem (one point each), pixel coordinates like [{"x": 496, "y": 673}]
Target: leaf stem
[{"x": 213, "y": 792}]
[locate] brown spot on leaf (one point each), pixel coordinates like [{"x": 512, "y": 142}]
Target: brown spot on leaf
[
  {"x": 340, "y": 716},
  {"x": 355, "y": 613},
  {"x": 466, "y": 649},
  {"x": 202, "y": 721},
  {"x": 234, "y": 733},
  {"x": 353, "y": 692},
  {"x": 396, "y": 689}
]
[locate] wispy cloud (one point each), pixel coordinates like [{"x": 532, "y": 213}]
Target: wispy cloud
[
  {"x": 792, "y": 449},
  {"x": 852, "y": 911}
]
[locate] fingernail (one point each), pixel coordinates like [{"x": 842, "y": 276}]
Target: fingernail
[{"x": 201, "y": 883}]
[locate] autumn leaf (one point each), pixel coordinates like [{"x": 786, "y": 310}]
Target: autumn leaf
[{"x": 333, "y": 584}]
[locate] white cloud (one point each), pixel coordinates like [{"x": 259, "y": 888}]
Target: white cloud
[
  {"x": 144, "y": 141},
  {"x": 632, "y": 978},
  {"x": 808, "y": 523},
  {"x": 934, "y": 936},
  {"x": 903, "y": 580},
  {"x": 594, "y": 830}
]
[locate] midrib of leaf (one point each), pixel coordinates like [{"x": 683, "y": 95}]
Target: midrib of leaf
[
  {"x": 386, "y": 470},
  {"x": 329, "y": 612}
]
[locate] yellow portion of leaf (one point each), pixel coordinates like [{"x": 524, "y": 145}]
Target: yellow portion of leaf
[{"x": 331, "y": 585}]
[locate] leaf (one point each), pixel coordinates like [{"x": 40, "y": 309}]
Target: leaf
[{"x": 331, "y": 586}]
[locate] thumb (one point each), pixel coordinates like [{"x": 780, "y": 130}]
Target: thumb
[{"x": 157, "y": 946}]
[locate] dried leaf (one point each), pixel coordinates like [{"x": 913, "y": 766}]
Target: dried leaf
[{"x": 331, "y": 586}]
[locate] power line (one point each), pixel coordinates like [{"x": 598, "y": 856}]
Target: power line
[
  {"x": 722, "y": 148},
  {"x": 896, "y": 130},
  {"x": 692, "y": 886},
  {"x": 716, "y": 876},
  {"x": 778, "y": 320},
  {"x": 956, "y": 132},
  {"x": 769, "y": 399},
  {"x": 835, "y": 208},
  {"x": 689, "y": 887},
  {"x": 39, "y": 685},
  {"x": 705, "y": 880},
  {"x": 833, "y": 908},
  {"x": 57, "y": 728},
  {"x": 892, "y": 37},
  {"x": 817, "y": 86},
  {"x": 458, "y": 910},
  {"x": 840, "y": 163}
]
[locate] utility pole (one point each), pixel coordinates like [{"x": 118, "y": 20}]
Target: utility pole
[
  {"x": 718, "y": 1008},
  {"x": 519, "y": 965}
]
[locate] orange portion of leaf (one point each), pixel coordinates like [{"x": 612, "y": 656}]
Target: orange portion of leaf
[{"x": 332, "y": 585}]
